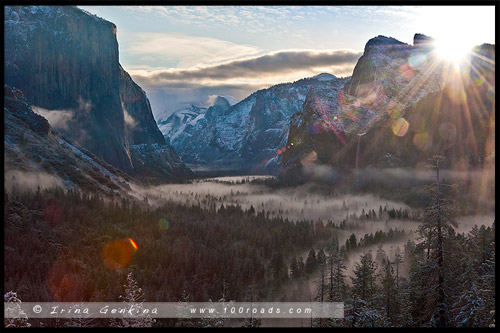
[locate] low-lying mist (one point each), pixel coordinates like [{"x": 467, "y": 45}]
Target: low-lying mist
[
  {"x": 26, "y": 180},
  {"x": 297, "y": 203}
]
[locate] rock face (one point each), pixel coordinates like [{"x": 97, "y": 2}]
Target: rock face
[
  {"x": 140, "y": 124},
  {"x": 65, "y": 61},
  {"x": 34, "y": 154},
  {"x": 244, "y": 137},
  {"x": 17, "y": 105},
  {"x": 397, "y": 110}
]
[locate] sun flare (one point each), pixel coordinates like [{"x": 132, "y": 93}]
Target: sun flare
[{"x": 452, "y": 50}]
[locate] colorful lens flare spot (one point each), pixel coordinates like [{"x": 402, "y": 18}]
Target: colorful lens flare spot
[
  {"x": 117, "y": 254},
  {"x": 447, "y": 131},
  {"x": 64, "y": 282},
  {"x": 422, "y": 141},
  {"x": 53, "y": 214},
  {"x": 394, "y": 110},
  {"x": 163, "y": 223},
  {"x": 406, "y": 71},
  {"x": 134, "y": 244},
  {"x": 400, "y": 127},
  {"x": 335, "y": 118},
  {"x": 417, "y": 60},
  {"x": 310, "y": 158}
]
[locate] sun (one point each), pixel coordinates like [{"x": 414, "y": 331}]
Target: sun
[{"x": 452, "y": 50}]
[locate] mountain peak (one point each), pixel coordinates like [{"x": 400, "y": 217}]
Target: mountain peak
[
  {"x": 382, "y": 41},
  {"x": 221, "y": 102},
  {"x": 324, "y": 77},
  {"x": 422, "y": 40}
]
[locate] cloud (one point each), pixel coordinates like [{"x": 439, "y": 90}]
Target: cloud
[
  {"x": 58, "y": 119},
  {"x": 62, "y": 119},
  {"x": 171, "y": 89},
  {"x": 129, "y": 121},
  {"x": 268, "y": 65},
  {"x": 258, "y": 19},
  {"x": 171, "y": 97},
  {"x": 179, "y": 50}
]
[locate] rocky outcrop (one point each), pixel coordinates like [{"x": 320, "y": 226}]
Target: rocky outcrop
[
  {"x": 392, "y": 71},
  {"x": 16, "y": 105},
  {"x": 140, "y": 124},
  {"x": 65, "y": 60},
  {"x": 36, "y": 155},
  {"x": 397, "y": 111}
]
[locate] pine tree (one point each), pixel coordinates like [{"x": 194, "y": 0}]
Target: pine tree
[
  {"x": 294, "y": 268},
  {"x": 134, "y": 296},
  {"x": 389, "y": 288},
  {"x": 364, "y": 285},
  {"x": 337, "y": 290},
  {"x": 398, "y": 260},
  {"x": 13, "y": 308},
  {"x": 362, "y": 309},
  {"x": 311, "y": 262},
  {"x": 439, "y": 223}
]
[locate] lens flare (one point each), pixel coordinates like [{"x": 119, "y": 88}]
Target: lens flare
[
  {"x": 447, "y": 131},
  {"x": 64, "y": 281},
  {"x": 452, "y": 49},
  {"x": 310, "y": 158},
  {"x": 164, "y": 224},
  {"x": 117, "y": 254},
  {"x": 422, "y": 141},
  {"x": 394, "y": 109},
  {"x": 406, "y": 71},
  {"x": 417, "y": 60},
  {"x": 400, "y": 127},
  {"x": 134, "y": 244},
  {"x": 53, "y": 214}
]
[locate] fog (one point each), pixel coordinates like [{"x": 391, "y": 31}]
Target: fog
[
  {"x": 302, "y": 203},
  {"x": 62, "y": 119},
  {"x": 293, "y": 203},
  {"x": 465, "y": 223},
  {"x": 26, "y": 180}
]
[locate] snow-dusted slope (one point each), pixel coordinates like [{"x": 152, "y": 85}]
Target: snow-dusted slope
[
  {"x": 180, "y": 123},
  {"x": 36, "y": 155},
  {"x": 246, "y": 136}
]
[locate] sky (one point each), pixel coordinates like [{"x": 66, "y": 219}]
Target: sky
[{"x": 183, "y": 55}]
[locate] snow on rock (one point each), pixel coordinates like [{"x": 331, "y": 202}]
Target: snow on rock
[{"x": 245, "y": 136}]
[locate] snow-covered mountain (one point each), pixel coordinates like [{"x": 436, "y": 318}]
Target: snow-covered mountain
[
  {"x": 244, "y": 137},
  {"x": 392, "y": 113},
  {"x": 181, "y": 121},
  {"x": 65, "y": 61}
]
